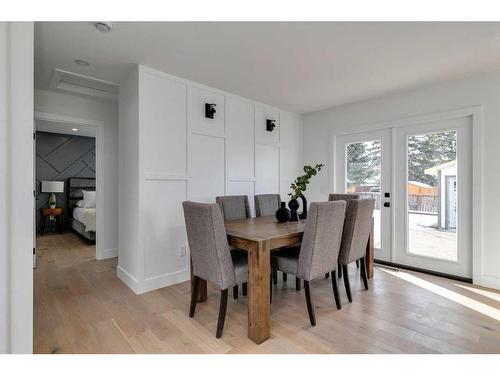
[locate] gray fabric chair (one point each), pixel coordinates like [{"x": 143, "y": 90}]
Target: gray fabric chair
[
  {"x": 235, "y": 207},
  {"x": 319, "y": 250},
  {"x": 267, "y": 204},
  {"x": 357, "y": 228},
  {"x": 210, "y": 255},
  {"x": 343, "y": 197}
]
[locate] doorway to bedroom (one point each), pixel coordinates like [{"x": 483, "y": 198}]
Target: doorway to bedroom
[{"x": 65, "y": 191}]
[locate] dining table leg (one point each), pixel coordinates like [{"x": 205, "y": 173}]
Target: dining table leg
[{"x": 259, "y": 269}]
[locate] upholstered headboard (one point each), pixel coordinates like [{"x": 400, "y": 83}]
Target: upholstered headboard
[{"x": 75, "y": 186}]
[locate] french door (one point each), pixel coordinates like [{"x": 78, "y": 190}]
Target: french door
[
  {"x": 363, "y": 166},
  {"x": 421, "y": 179},
  {"x": 433, "y": 200}
]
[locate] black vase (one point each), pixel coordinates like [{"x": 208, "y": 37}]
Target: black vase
[
  {"x": 303, "y": 215},
  {"x": 294, "y": 206},
  {"x": 283, "y": 213}
]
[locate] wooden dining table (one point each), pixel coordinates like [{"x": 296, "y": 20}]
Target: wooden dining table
[{"x": 259, "y": 236}]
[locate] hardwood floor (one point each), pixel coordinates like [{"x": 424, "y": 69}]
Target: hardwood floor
[{"x": 82, "y": 307}]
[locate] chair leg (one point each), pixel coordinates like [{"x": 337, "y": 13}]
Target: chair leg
[
  {"x": 357, "y": 263},
  {"x": 336, "y": 291},
  {"x": 339, "y": 267},
  {"x": 327, "y": 275},
  {"x": 275, "y": 277},
  {"x": 346, "y": 283},
  {"x": 298, "y": 283},
  {"x": 244, "y": 289},
  {"x": 285, "y": 277},
  {"x": 363, "y": 272},
  {"x": 310, "y": 306},
  {"x": 194, "y": 296},
  {"x": 235, "y": 292},
  {"x": 222, "y": 313}
]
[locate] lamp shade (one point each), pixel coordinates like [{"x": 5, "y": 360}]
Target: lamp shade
[{"x": 52, "y": 186}]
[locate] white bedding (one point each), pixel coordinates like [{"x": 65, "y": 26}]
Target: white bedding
[{"x": 85, "y": 216}]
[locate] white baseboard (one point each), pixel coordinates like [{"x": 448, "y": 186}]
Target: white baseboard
[
  {"x": 107, "y": 254},
  {"x": 488, "y": 281},
  {"x": 151, "y": 283},
  {"x": 128, "y": 279}
]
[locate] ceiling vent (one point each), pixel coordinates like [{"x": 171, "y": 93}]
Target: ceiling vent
[{"x": 83, "y": 85}]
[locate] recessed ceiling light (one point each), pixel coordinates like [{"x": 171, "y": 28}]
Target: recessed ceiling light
[
  {"x": 82, "y": 62},
  {"x": 75, "y": 129},
  {"x": 103, "y": 26}
]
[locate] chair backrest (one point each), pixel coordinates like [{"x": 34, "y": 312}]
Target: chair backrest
[
  {"x": 267, "y": 204},
  {"x": 321, "y": 241},
  {"x": 234, "y": 207},
  {"x": 357, "y": 227},
  {"x": 343, "y": 197},
  {"x": 210, "y": 255}
]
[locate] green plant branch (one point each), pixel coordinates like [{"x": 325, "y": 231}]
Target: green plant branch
[{"x": 301, "y": 182}]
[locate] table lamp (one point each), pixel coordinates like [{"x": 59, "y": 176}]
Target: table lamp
[{"x": 52, "y": 187}]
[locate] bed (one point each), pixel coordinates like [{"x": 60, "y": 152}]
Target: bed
[{"x": 81, "y": 220}]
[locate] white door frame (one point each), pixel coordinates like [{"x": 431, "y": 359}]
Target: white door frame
[
  {"x": 99, "y": 128},
  {"x": 476, "y": 112}
]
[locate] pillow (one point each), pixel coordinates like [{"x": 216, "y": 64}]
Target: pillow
[
  {"x": 79, "y": 203},
  {"x": 88, "y": 199}
]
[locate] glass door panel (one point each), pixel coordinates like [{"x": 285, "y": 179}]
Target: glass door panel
[
  {"x": 432, "y": 195},
  {"x": 363, "y": 166},
  {"x": 363, "y": 174}
]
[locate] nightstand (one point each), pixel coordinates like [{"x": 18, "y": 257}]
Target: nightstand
[{"x": 58, "y": 215}]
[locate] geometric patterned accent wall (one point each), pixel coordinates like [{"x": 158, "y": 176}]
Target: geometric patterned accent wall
[{"x": 58, "y": 157}]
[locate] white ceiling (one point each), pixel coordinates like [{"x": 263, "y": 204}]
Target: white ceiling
[
  {"x": 61, "y": 128},
  {"x": 301, "y": 67}
]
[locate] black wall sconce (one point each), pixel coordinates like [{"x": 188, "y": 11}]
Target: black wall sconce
[
  {"x": 270, "y": 125},
  {"x": 210, "y": 110}
]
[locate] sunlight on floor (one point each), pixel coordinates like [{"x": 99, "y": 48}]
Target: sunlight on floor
[
  {"x": 452, "y": 296},
  {"x": 485, "y": 293}
]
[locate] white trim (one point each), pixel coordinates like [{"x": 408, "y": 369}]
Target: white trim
[
  {"x": 241, "y": 179},
  {"x": 152, "y": 283},
  {"x": 476, "y": 111},
  {"x": 128, "y": 279},
  {"x": 107, "y": 254},
  {"x": 99, "y": 127},
  {"x": 54, "y": 117},
  {"x": 164, "y": 176}
]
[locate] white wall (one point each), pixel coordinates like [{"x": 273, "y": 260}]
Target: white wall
[
  {"x": 16, "y": 187},
  {"x": 184, "y": 156},
  {"x": 482, "y": 90},
  {"x": 107, "y": 157}
]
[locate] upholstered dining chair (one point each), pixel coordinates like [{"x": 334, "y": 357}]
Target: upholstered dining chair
[
  {"x": 318, "y": 252},
  {"x": 357, "y": 228},
  {"x": 211, "y": 258},
  {"x": 343, "y": 197},
  {"x": 235, "y": 207},
  {"x": 267, "y": 205}
]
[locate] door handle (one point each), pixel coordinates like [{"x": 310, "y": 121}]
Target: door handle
[{"x": 387, "y": 204}]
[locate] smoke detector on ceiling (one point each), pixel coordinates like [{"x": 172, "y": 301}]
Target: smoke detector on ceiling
[{"x": 103, "y": 26}]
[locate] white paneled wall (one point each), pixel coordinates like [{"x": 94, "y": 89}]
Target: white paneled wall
[{"x": 184, "y": 156}]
